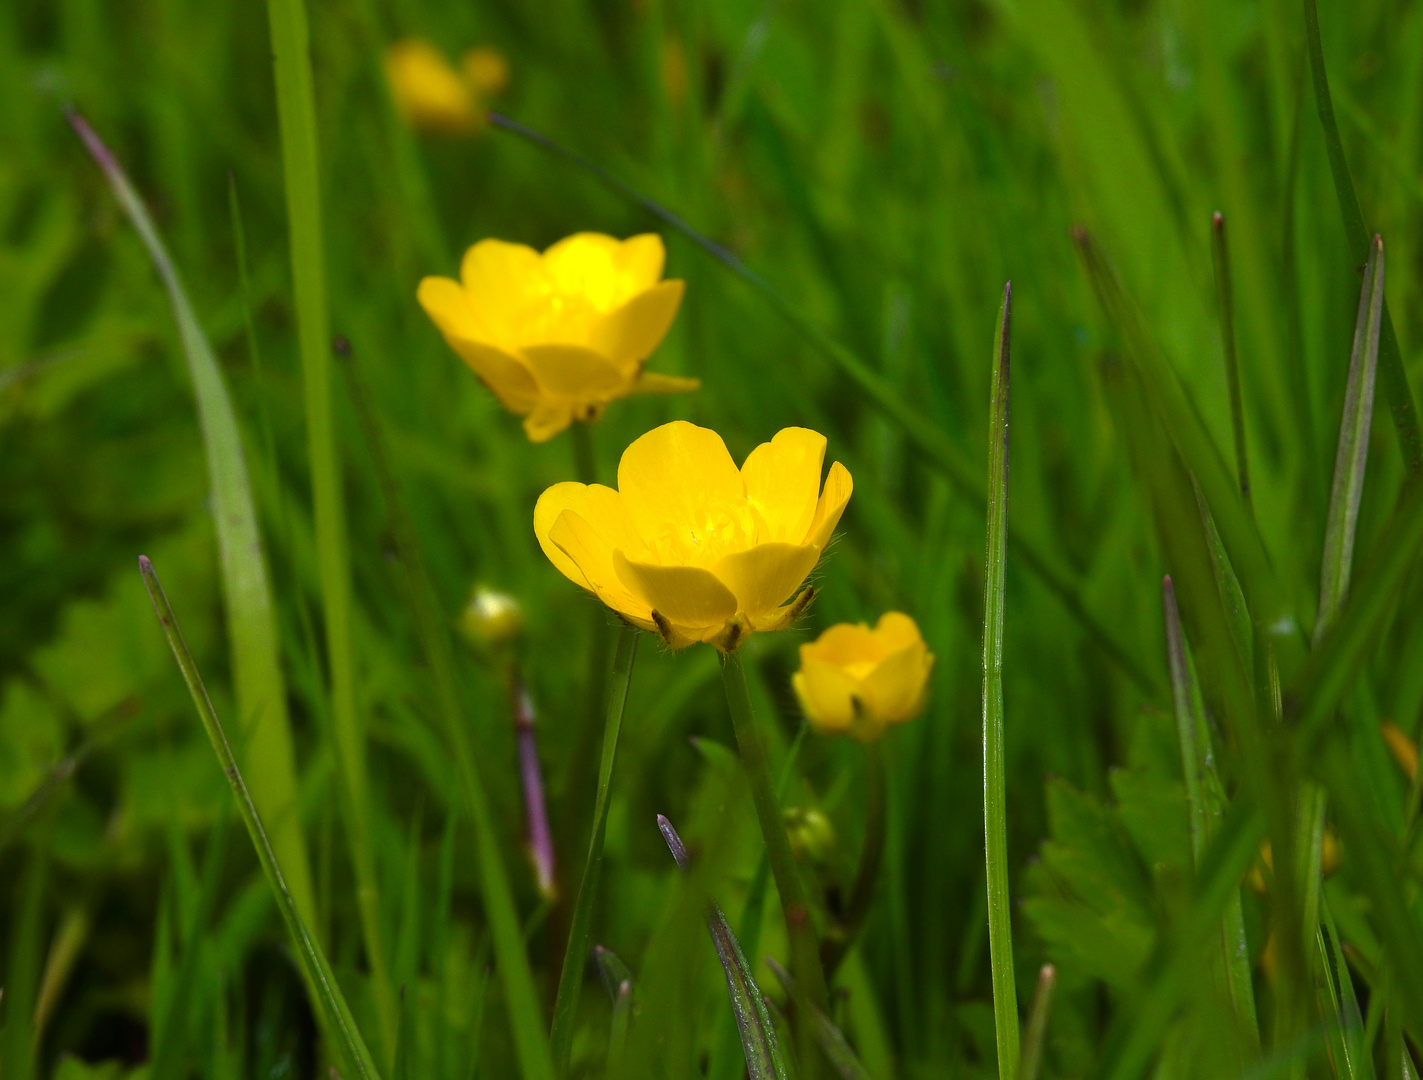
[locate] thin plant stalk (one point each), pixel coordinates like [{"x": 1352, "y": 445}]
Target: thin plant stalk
[
  {"x": 1225, "y": 301},
  {"x": 260, "y": 689},
  {"x": 1036, "y": 1035},
  {"x": 995, "y": 801},
  {"x": 575, "y": 957},
  {"x": 296, "y": 115},
  {"x": 541, "y": 848},
  {"x": 525, "y": 1015},
  {"x": 862, "y": 890},
  {"x": 313, "y": 960},
  {"x": 805, "y": 953}
]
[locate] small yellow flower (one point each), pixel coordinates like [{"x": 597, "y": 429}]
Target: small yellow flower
[
  {"x": 559, "y": 335},
  {"x": 692, "y": 547},
  {"x": 428, "y": 91},
  {"x": 857, "y": 680}
]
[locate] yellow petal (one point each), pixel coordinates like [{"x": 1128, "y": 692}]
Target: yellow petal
[
  {"x": 506, "y": 289},
  {"x": 686, "y": 596},
  {"x": 512, "y": 383},
  {"x": 896, "y": 630},
  {"x": 826, "y": 694},
  {"x": 547, "y": 419},
  {"x": 845, "y": 644},
  {"x": 641, "y": 259},
  {"x": 764, "y": 577},
  {"x": 628, "y": 334},
  {"x": 838, "y": 487},
  {"x": 650, "y": 382},
  {"x": 676, "y": 480},
  {"x": 586, "y": 265},
  {"x": 782, "y": 480},
  {"x": 553, "y": 502},
  {"x": 571, "y": 371},
  {"x": 894, "y": 690},
  {"x": 589, "y": 548}
]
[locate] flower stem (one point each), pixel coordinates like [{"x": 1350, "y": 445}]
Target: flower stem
[
  {"x": 805, "y": 953},
  {"x": 541, "y": 847},
  {"x": 862, "y": 891},
  {"x": 575, "y": 958}
]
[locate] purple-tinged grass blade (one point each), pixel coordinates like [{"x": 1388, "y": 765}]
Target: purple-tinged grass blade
[
  {"x": 764, "y": 1060},
  {"x": 832, "y": 1041}
]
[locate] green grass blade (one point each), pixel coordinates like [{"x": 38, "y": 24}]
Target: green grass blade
[
  {"x": 313, "y": 960},
  {"x": 1352, "y": 457},
  {"x": 18, "y": 1049},
  {"x": 832, "y": 1040},
  {"x": 764, "y": 1060},
  {"x": 1225, "y": 302},
  {"x": 938, "y": 450},
  {"x": 1035, "y": 1037},
  {"x": 521, "y": 996},
  {"x": 266, "y": 738},
  {"x": 296, "y": 115},
  {"x": 995, "y": 794},
  {"x": 1352, "y": 1049},
  {"x": 1395, "y": 379},
  {"x": 575, "y": 957}
]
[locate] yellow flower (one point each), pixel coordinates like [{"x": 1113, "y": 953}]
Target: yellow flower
[
  {"x": 485, "y": 69},
  {"x": 428, "y": 91},
  {"x": 689, "y": 545},
  {"x": 859, "y": 680},
  {"x": 559, "y": 335}
]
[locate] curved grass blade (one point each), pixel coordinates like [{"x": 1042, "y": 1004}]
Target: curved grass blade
[
  {"x": 995, "y": 794},
  {"x": 313, "y": 960},
  {"x": 1225, "y": 301},
  {"x": 266, "y": 738},
  {"x": 524, "y": 1013},
  {"x": 938, "y": 450},
  {"x": 575, "y": 957},
  {"x": 764, "y": 1060},
  {"x": 1395, "y": 379},
  {"x": 1352, "y": 457},
  {"x": 296, "y": 115},
  {"x": 832, "y": 1040}
]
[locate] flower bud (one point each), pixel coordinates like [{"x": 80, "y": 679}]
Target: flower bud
[
  {"x": 857, "y": 680},
  {"x": 811, "y": 834},
  {"x": 492, "y": 619}
]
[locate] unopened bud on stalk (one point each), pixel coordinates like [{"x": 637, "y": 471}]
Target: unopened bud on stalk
[
  {"x": 811, "y": 834},
  {"x": 492, "y": 619}
]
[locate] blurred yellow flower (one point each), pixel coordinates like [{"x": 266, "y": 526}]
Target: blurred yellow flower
[
  {"x": 559, "y": 335},
  {"x": 692, "y": 547},
  {"x": 486, "y": 70},
  {"x": 857, "y": 680},
  {"x": 428, "y": 91},
  {"x": 1403, "y": 749}
]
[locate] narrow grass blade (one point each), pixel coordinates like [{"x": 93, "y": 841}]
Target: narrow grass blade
[
  {"x": 1395, "y": 379},
  {"x": 617, "y": 980},
  {"x": 521, "y": 996},
  {"x": 1346, "y": 1032},
  {"x": 18, "y": 1044},
  {"x": 832, "y": 1040},
  {"x": 401, "y": 1069},
  {"x": 1351, "y": 459},
  {"x": 313, "y": 961},
  {"x": 995, "y": 794},
  {"x": 800, "y": 929},
  {"x": 1036, "y": 1035},
  {"x": 1225, "y": 302},
  {"x": 938, "y": 450},
  {"x": 296, "y": 115},
  {"x": 764, "y": 1060},
  {"x": 266, "y": 738},
  {"x": 575, "y": 957},
  {"x": 612, "y": 970}
]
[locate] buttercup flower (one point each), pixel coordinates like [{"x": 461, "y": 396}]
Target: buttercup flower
[
  {"x": 857, "y": 680},
  {"x": 559, "y": 335},
  {"x": 692, "y": 547},
  {"x": 428, "y": 91}
]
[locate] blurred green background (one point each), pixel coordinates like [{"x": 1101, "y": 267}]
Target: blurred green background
[{"x": 887, "y": 165}]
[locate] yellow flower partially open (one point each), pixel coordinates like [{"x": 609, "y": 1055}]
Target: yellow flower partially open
[
  {"x": 857, "y": 680},
  {"x": 692, "y": 547},
  {"x": 559, "y": 335},
  {"x": 428, "y": 91}
]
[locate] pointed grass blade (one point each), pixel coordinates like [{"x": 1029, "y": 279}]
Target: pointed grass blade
[
  {"x": 617, "y": 980},
  {"x": 764, "y": 1060},
  {"x": 1035, "y": 1037},
  {"x": 995, "y": 795},
  {"x": 1351, "y": 459},
  {"x": 1225, "y": 303},
  {"x": 266, "y": 738},
  {"x": 832, "y": 1040},
  {"x": 938, "y": 450},
  {"x": 318, "y": 972},
  {"x": 1346, "y": 1031},
  {"x": 575, "y": 956},
  {"x": 1395, "y": 379}
]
